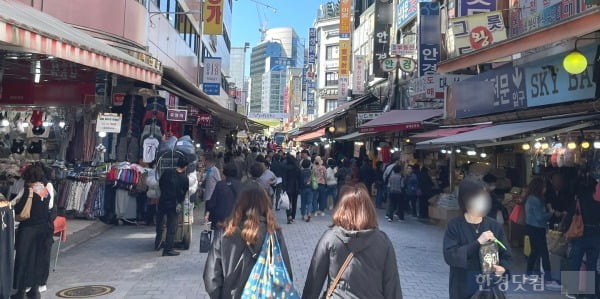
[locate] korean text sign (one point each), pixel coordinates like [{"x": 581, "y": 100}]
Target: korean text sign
[
  {"x": 429, "y": 37},
  {"x": 176, "y": 115},
  {"x": 381, "y": 39},
  {"x": 312, "y": 45},
  {"x": 529, "y": 15},
  {"x": 211, "y": 83},
  {"x": 475, "y": 32},
  {"x": 345, "y": 12},
  {"x": 213, "y": 17},
  {"x": 358, "y": 75},
  {"x": 472, "y": 7},
  {"x": 345, "y": 51},
  {"x": 406, "y": 11}
]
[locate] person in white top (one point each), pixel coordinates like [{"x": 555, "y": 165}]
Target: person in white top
[{"x": 332, "y": 184}]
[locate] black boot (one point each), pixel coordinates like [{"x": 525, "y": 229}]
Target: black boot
[
  {"x": 18, "y": 295},
  {"x": 34, "y": 293}
]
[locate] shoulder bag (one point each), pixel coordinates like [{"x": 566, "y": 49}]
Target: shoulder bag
[
  {"x": 576, "y": 228},
  {"x": 26, "y": 212},
  {"x": 337, "y": 278}
]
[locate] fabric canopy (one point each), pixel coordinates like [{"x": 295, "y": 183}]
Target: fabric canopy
[
  {"x": 311, "y": 136},
  {"x": 35, "y": 31},
  {"x": 329, "y": 116},
  {"x": 499, "y": 131},
  {"x": 351, "y": 136},
  {"x": 446, "y": 132},
  {"x": 400, "y": 120}
]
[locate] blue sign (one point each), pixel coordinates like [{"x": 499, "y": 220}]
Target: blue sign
[
  {"x": 494, "y": 91},
  {"x": 212, "y": 89},
  {"x": 472, "y": 7},
  {"x": 429, "y": 37},
  {"x": 304, "y": 79},
  {"x": 310, "y": 103},
  {"x": 406, "y": 11},
  {"x": 312, "y": 45},
  {"x": 548, "y": 82}
]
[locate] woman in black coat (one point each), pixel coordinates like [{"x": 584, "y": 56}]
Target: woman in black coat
[
  {"x": 291, "y": 184},
  {"x": 221, "y": 204}
]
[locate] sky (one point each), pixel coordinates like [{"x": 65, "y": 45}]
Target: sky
[{"x": 299, "y": 14}]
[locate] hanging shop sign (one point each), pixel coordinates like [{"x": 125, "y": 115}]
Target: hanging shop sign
[
  {"x": 529, "y": 15},
  {"x": 368, "y": 115},
  {"x": 213, "y": 17},
  {"x": 381, "y": 39},
  {"x": 176, "y": 115},
  {"x": 257, "y": 115},
  {"x": 310, "y": 103},
  {"x": 204, "y": 119},
  {"x": 406, "y": 11},
  {"x": 494, "y": 91},
  {"x": 432, "y": 86},
  {"x": 312, "y": 45},
  {"x": 345, "y": 14},
  {"x": 345, "y": 51},
  {"x": 109, "y": 122},
  {"x": 548, "y": 83},
  {"x": 211, "y": 83},
  {"x": 343, "y": 83},
  {"x": 358, "y": 75},
  {"x": 474, "y": 32},
  {"x": 118, "y": 99},
  {"x": 405, "y": 64},
  {"x": 472, "y": 7},
  {"x": 429, "y": 37},
  {"x": 402, "y": 50}
]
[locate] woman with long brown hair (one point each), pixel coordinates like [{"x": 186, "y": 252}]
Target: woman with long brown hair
[
  {"x": 237, "y": 245},
  {"x": 356, "y": 257}
]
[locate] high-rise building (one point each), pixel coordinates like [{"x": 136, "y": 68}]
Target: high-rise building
[
  {"x": 237, "y": 70},
  {"x": 281, "y": 48},
  {"x": 327, "y": 62}
]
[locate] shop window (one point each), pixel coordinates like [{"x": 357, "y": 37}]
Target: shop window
[
  {"x": 332, "y": 52},
  {"x": 330, "y": 105},
  {"x": 331, "y": 79}
]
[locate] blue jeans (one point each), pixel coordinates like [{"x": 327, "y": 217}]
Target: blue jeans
[
  {"x": 588, "y": 246},
  {"x": 306, "y": 201},
  {"x": 333, "y": 191},
  {"x": 381, "y": 193},
  {"x": 322, "y": 197}
]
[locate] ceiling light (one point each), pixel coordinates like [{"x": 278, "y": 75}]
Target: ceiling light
[
  {"x": 36, "y": 78},
  {"x": 396, "y": 149},
  {"x": 102, "y": 134},
  {"x": 571, "y": 145},
  {"x": 47, "y": 124},
  {"x": 5, "y": 123},
  {"x": 327, "y": 145},
  {"x": 545, "y": 145},
  {"x": 378, "y": 148},
  {"x": 537, "y": 145},
  {"x": 471, "y": 153},
  {"x": 444, "y": 151},
  {"x": 526, "y": 146},
  {"x": 458, "y": 151},
  {"x": 483, "y": 155},
  {"x": 597, "y": 144},
  {"x": 407, "y": 140},
  {"x": 62, "y": 124},
  {"x": 585, "y": 145}
]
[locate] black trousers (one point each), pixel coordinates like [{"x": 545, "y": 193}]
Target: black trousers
[
  {"x": 6, "y": 252},
  {"x": 396, "y": 204},
  {"x": 31, "y": 259},
  {"x": 293, "y": 205},
  {"x": 412, "y": 199},
  {"x": 539, "y": 249},
  {"x": 171, "y": 214}
]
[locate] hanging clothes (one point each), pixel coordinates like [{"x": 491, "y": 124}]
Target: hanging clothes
[{"x": 7, "y": 237}]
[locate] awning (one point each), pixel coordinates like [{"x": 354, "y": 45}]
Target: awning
[
  {"x": 35, "y": 31},
  {"x": 351, "y": 136},
  {"x": 329, "y": 116},
  {"x": 494, "y": 133},
  {"x": 577, "y": 25},
  {"x": 446, "y": 132},
  {"x": 400, "y": 120},
  {"x": 311, "y": 136}
]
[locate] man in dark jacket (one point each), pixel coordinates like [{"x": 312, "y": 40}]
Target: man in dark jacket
[
  {"x": 291, "y": 184},
  {"x": 174, "y": 185},
  {"x": 223, "y": 199}
]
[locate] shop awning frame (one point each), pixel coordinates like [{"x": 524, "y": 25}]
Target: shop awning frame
[
  {"x": 351, "y": 136},
  {"x": 445, "y": 132},
  {"x": 491, "y": 136},
  {"x": 400, "y": 120},
  {"x": 310, "y": 136},
  {"x": 331, "y": 115},
  {"x": 37, "y": 32}
]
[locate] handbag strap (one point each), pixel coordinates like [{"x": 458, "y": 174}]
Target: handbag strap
[{"x": 339, "y": 275}]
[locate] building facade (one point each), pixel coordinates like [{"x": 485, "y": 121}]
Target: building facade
[{"x": 327, "y": 58}]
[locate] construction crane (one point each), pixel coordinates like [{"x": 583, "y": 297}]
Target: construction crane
[{"x": 262, "y": 18}]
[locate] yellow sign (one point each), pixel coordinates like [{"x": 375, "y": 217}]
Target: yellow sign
[
  {"x": 213, "y": 17},
  {"x": 345, "y": 13},
  {"x": 345, "y": 54}
]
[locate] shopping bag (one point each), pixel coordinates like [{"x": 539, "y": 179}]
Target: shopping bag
[
  {"x": 557, "y": 243},
  {"x": 284, "y": 201},
  {"x": 526, "y": 246},
  {"x": 205, "y": 241},
  {"x": 576, "y": 228},
  {"x": 269, "y": 277},
  {"x": 492, "y": 293},
  {"x": 26, "y": 212},
  {"x": 518, "y": 214}
]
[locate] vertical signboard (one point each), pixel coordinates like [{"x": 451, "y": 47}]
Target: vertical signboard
[
  {"x": 358, "y": 75},
  {"x": 211, "y": 83},
  {"x": 381, "y": 39},
  {"x": 312, "y": 45},
  {"x": 213, "y": 17},
  {"x": 429, "y": 37},
  {"x": 472, "y": 7},
  {"x": 344, "y": 68},
  {"x": 406, "y": 11},
  {"x": 310, "y": 102},
  {"x": 345, "y": 27},
  {"x": 286, "y": 99}
]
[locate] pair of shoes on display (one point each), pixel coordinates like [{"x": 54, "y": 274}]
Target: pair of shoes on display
[{"x": 171, "y": 253}]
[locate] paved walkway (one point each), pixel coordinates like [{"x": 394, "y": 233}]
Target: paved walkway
[{"x": 123, "y": 258}]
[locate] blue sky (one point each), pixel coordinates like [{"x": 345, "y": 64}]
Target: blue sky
[{"x": 298, "y": 14}]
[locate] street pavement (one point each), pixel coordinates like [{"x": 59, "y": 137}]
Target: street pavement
[{"x": 123, "y": 258}]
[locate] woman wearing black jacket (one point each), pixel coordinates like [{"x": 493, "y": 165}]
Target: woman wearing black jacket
[
  {"x": 372, "y": 271},
  {"x": 221, "y": 204},
  {"x": 235, "y": 248},
  {"x": 291, "y": 184}
]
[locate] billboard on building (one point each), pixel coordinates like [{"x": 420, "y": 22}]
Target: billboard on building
[
  {"x": 312, "y": 45},
  {"x": 358, "y": 75},
  {"x": 211, "y": 81},
  {"x": 529, "y": 15},
  {"x": 473, "y": 7},
  {"x": 345, "y": 17},
  {"x": 344, "y": 57},
  {"x": 381, "y": 35},
  {"x": 474, "y": 32},
  {"x": 213, "y": 17}
]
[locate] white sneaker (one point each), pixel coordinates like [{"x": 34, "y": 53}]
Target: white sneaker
[
  {"x": 43, "y": 288},
  {"x": 552, "y": 286},
  {"x": 567, "y": 295}
]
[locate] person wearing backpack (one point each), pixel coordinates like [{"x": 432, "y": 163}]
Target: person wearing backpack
[
  {"x": 355, "y": 258},
  {"x": 235, "y": 249}
]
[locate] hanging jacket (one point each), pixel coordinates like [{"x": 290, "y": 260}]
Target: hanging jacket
[
  {"x": 372, "y": 273},
  {"x": 230, "y": 262}
]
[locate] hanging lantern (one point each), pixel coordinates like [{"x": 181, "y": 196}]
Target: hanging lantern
[{"x": 575, "y": 63}]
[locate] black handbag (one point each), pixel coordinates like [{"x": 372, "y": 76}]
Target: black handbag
[
  {"x": 492, "y": 293},
  {"x": 205, "y": 241}
]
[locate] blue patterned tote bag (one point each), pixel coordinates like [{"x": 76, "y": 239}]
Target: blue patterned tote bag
[{"x": 269, "y": 278}]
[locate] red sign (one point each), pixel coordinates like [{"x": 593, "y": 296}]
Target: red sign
[
  {"x": 480, "y": 37},
  {"x": 398, "y": 127},
  {"x": 118, "y": 99},
  {"x": 204, "y": 119},
  {"x": 176, "y": 115}
]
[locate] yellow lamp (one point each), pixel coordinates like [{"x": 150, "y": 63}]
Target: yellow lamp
[
  {"x": 575, "y": 63},
  {"x": 526, "y": 146},
  {"x": 571, "y": 145},
  {"x": 585, "y": 145},
  {"x": 331, "y": 129},
  {"x": 407, "y": 140},
  {"x": 545, "y": 145}
]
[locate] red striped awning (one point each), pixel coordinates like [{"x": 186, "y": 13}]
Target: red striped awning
[
  {"x": 311, "y": 136},
  {"x": 37, "y": 32}
]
